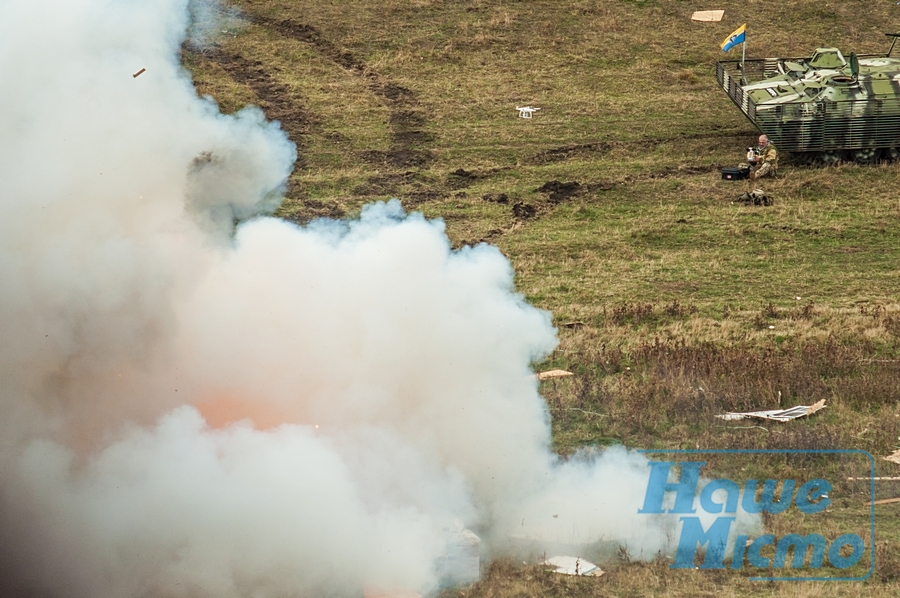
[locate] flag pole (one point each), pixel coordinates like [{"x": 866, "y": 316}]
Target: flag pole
[{"x": 743, "y": 56}]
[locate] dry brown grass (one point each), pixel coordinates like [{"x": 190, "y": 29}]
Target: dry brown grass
[{"x": 638, "y": 580}]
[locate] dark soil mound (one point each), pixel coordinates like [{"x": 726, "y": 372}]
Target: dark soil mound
[{"x": 560, "y": 191}]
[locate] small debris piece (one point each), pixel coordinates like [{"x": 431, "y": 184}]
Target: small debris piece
[
  {"x": 893, "y": 457},
  {"x": 708, "y": 16},
  {"x": 883, "y": 479},
  {"x": 884, "y": 501},
  {"x": 137, "y": 74},
  {"x": 779, "y": 415},
  {"x": 573, "y": 565},
  {"x": 553, "y": 374}
]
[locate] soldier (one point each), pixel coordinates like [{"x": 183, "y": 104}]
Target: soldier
[{"x": 764, "y": 160}]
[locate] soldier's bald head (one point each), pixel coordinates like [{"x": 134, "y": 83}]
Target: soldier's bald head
[{"x": 763, "y": 140}]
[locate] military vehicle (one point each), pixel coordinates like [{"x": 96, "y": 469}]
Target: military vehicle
[{"x": 824, "y": 107}]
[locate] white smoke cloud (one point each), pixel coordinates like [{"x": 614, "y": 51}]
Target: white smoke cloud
[
  {"x": 209, "y": 19},
  {"x": 387, "y": 377}
]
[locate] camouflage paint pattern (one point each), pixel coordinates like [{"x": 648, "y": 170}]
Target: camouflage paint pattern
[{"x": 823, "y": 105}]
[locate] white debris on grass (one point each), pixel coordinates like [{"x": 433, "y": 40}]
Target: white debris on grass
[
  {"x": 573, "y": 565},
  {"x": 553, "y": 374},
  {"x": 461, "y": 564},
  {"x": 780, "y": 415},
  {"x": 708, "y": 16},
  {"x": 893, "y": 457}
]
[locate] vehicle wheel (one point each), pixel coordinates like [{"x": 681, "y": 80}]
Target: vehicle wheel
[
  {"x": 864, "y": 156},
  {"x": 892, "y": 153},
  {"x": 831, "y": 157}
]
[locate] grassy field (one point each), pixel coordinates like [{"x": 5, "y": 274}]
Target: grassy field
[{"x": 673, "y": 303}]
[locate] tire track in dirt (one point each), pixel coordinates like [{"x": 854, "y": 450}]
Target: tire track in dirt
[
  {"x": 276, "y": 99},
  {"x": 407, "y": 117}
]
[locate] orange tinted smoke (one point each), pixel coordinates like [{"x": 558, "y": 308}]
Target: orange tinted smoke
[{"x": 220, "y": 412}]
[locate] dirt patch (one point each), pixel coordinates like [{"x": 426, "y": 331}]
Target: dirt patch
[
  {"x": 407, "y": 119},
  {"x": 559, "y": 191},
  {"x": 411, "y": 187},
  {"x": 413, "y": 137},
  {"x": 462, "y": 173},
  {"x": 413, "y": 198},
  {"x": 501, "y": 198},
  {"x": 386, "y": 184},
  {"x": 461, "y": 178},
  {"x": 392, "y": 91},
  {"x": 523, "y": 210}
]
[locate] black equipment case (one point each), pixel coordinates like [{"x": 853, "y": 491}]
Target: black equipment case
[{"x": 735, "y": 174}]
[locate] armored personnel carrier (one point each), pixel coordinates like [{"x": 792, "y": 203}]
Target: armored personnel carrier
[{"x": 823, "y": 107}]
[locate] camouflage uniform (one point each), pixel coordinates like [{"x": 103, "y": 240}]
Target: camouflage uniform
[
  {"x": 765, "y": 165},
  {"x": 768, "y": 162}
]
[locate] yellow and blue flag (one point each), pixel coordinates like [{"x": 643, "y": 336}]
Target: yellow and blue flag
[{"x": 738, "y": 37}]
